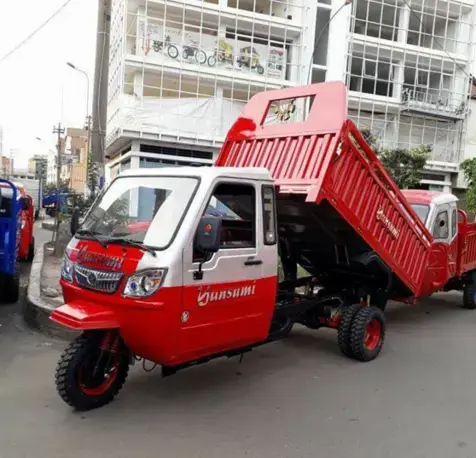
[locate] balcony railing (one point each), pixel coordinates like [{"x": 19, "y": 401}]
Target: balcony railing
[{"x": 434, "y": 103}]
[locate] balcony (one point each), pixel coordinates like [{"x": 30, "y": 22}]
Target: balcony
[{"x": 434, "y": 103}]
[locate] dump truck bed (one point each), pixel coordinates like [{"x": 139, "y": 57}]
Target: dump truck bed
[{"x": 339, "y": 210}]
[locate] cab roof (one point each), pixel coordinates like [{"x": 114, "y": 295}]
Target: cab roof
[
  {"x": 252, "y": 173},
  {"x": 423, "y": 197}
]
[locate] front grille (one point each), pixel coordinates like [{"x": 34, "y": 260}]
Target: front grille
[{"x": 97, "y": 280}]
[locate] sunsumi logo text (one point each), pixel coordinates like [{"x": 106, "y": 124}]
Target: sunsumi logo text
[
  {"x": 387, "y": 223},
  {"x": 205, "y": 295}
]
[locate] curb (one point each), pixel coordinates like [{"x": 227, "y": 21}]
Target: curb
[
  {"x": 48, "y": 225},
  {"x": 36, "y": 311}
]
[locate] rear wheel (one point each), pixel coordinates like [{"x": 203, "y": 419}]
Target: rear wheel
[
  {"x": 367, "y": 333},
  {"x": 87, "y": 375},
  {"x": 11, "y": 286},
  {"x": 343, "y": 332},
  {"x": 31, "y": 250},
  {"x": 469, "y": 296}
]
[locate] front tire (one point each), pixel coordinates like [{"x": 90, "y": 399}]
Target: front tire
[
  {"x": 88, "y": 377},
  {"x": 367, "y": 333},
  {"x": 172, "y": 51},
  {"x": 469, "y": 296},
  {"x": 212, "y": 61},
  {"x": 201, "y": 57}
]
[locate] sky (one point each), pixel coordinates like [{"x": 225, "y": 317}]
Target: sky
[{"x": 37, "y": 88}]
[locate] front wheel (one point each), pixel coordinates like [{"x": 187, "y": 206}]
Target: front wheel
[
  {"x": 200, "y": 57},
  {"x": 212, "y": 61},
  {"x": 87, "y": 375},
  {"x": 469, "y": 296},
  {"x": 172, "y": 51}
]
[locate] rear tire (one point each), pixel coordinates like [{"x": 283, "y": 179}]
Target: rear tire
[
  {"x": 343, "y": 332},
  {"x": 75, "y": 381},
  {"x": 469, "y": 296},
  {"x": 367, "y": 333},
  {"x": 31, "y": 250},
  {"x": 11, "y": 286}
]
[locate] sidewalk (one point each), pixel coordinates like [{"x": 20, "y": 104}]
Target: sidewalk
[{"x": 44, "y": 291}]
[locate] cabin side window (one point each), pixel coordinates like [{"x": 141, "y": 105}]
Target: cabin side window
[
  {"x": 422, "y": 211},
  {"x": 235, "y": 204},
  {"x": 441, "y": 229}
]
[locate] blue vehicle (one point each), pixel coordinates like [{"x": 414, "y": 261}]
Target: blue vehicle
[{"x": 11, "y": 205}]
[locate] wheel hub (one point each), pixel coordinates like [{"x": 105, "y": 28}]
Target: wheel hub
[
  {"x": 373, "y": 334},
  {"x": 97, "y": 374}
]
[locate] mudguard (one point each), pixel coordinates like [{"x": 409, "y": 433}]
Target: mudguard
[{"x": 83, "y": 316}]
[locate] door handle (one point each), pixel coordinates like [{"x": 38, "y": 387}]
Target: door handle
[{"x": 253, "y": 262}]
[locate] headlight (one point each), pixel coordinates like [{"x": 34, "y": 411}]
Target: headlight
[
  {"x": 144, "y": 283},
  {"x": 67, "y": 269},
  {"x": 23, "y": 224}
]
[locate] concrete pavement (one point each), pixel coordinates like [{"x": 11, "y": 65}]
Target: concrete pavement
[{"x": 294, "y": 398}]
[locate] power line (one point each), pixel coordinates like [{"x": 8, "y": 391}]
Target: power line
[{"x": 29, "y": 37}]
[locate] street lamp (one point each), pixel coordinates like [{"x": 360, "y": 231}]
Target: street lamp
[
  {"x": 88, "y": 118},
  {"x": 69, "y": 64}
]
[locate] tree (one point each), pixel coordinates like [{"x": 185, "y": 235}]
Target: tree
[
  {"x": 405, "y": 166},
  {"x": 469, "y": 171}
]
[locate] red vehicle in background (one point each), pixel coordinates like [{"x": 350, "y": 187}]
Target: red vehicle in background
[
  {"x": 26, "y": 250},
  {"x": 180, "y": 265}
]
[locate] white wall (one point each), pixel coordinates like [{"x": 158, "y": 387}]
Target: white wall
[{"x": 338, "y": 41}]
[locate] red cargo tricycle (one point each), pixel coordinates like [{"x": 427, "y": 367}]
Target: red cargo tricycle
[{"x": 180, "y": 265}]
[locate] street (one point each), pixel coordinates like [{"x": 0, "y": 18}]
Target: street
[{"x": 294, "y": 398}]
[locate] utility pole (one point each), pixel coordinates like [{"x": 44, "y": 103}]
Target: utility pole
[
  {"x": 59, "y": 131},
  {"x": 98, "y": 137},
  {"x": 88, "y": 156}
]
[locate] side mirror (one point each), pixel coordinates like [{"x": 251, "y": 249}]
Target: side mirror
[
  {"x": 207, "y": 239},
  {"x": 74, "y": 221},
  {"x": 25, "y": 203}
]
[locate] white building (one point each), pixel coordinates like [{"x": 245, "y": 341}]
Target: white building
[
  {"x": 181, "y": 71},
  {"x": 408, "y": 72}
]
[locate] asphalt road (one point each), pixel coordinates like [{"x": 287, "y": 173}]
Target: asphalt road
[{"x": 294, "y": 398}]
